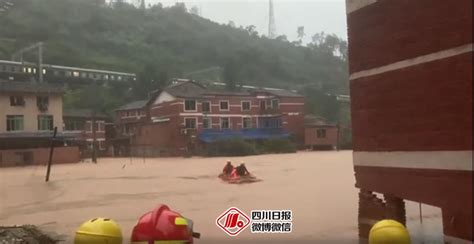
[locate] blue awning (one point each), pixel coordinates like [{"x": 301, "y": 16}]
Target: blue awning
[{"x": 248, "y": 134}]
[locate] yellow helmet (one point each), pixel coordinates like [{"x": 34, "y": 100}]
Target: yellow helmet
[
  {"x": 389, "y": 231},
  {"x": 98, "y": 231}
]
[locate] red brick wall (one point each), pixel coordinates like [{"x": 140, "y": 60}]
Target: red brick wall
[
  {"x": 385, "y": 32},
  {"x": 422, "y": 107},
  {"x": 164, "y": 135},
  {"x": 40, "y": 156},
  {"x": 310, "y": 136}
]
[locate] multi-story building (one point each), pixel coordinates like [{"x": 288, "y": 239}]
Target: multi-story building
[
  {"x": 78, "y": 123},
  {"x": 130, "y": 116},
  {"x": 28, "y": 114},
  {"x": 128, "y": 120},
  {"x": 187, "y": 114},
  {"x": 411, "y": 100}
]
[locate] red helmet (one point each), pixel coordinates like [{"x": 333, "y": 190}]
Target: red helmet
[{"x": 163, "y": 224}]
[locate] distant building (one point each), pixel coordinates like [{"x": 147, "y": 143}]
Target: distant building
[
  {"x": 78, "y": 124},
  {"x": 128, "y": 120},
  {"x": 319, "y": 134},
  {"x": 186, "y": 115},
  {"x": 28, "y": 114}
]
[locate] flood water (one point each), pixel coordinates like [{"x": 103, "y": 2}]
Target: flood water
[{"x": 317, "y": 186}]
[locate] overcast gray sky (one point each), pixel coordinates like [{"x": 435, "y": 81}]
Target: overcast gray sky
[{"x": 315, "y": 15}]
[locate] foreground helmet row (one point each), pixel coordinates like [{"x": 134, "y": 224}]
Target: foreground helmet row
[{"x": 159, "y": 224}]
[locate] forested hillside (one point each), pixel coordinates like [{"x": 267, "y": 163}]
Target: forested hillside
[{"x": 159, "y": 43}]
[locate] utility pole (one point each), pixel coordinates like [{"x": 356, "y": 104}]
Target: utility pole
[
  {"x": 48, "y": 171},
  {"x": 94, "y": 138},
  {"x": 39, "y": 48}
]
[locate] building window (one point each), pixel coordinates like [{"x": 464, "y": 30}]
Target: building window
[
  {"x": 42, "y": 103},
  {"x": 206, "y": 123},
  {"x": 224, "y": 105},
  {"x": 89, "y": 145},
  {"x": 17, "y": 101},
  {"x": 45, "y": 122},
  {"x": 88, "y": 126},
  {"x": 225, "y": 123},
  {"x": 73, "y": 125},
  {"x": 14, "y": 122},
  {"x": 190, "y": 105},
  {"x": 101, "y": 145},
  {"x": 206, "y": 107},
  {"x": 190, "y": 123},
  {"x": 263, "y": 105},
  {"x": 128, "y": 129},
  {"x": 245, "y": 105},
  {"x": 275, "y": 103},
  {"x": 75, "y": 73},
  {"x": 270, "y": 122},
  {"x": 100, "y": 126},
  {"x": 321, "y": 133},
  {"x": 246, "y": 122}
]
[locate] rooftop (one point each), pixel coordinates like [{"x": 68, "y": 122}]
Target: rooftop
[
  {"x": 82, "y": 113},
  {"x": 191, "y": 89},
  {"x": 29, "y": 87},
  {"x": 188, "y": 88},
  {"x": 311, "y": 120},
  {"x": 133, "y": 105}
]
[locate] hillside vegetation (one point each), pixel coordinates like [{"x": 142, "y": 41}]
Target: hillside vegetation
[{"x": 159, "y": 43}]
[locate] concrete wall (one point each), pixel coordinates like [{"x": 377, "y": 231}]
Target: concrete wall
[
  {"x": 38, "y": 156},
  {"x": 30, "y": 111}
]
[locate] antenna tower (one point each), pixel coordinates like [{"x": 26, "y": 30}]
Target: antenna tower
[{"x": 271, "y": 21}]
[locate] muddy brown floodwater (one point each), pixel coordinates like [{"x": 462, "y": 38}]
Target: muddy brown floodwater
[{"x": 317, "y": 186}]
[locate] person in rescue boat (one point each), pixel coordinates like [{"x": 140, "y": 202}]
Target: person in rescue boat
[
  {"x": 242, "y": 170},
  {"x": 228, "y": 168}
]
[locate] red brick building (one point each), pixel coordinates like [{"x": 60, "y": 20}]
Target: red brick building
[
  {"x": 128, "y": 120},
  {"x": 411, "y": 100},
  {"x": 187, "y": 114},
  {"x": 78, "y": 124}
]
